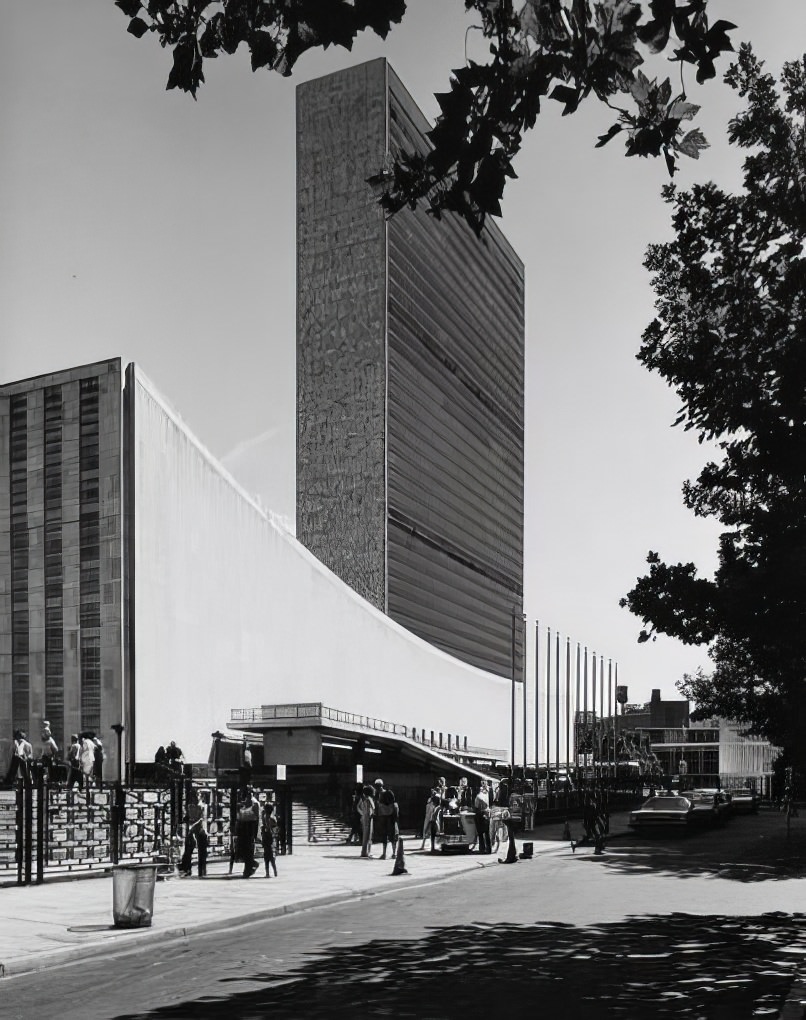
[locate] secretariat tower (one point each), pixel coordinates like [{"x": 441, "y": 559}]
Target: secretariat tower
[{"x": 410, "y": 382}]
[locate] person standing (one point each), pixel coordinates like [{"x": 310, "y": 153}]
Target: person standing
[
  {"x": 86, "y": 759},
  {"x": 49, "y": 750},
  {"x": 366, "y": 808},
  {"x": 269, "y": 830},
  {"x": 354, "y": 835},
  {"x": 385, "y": 821},
  {"x": 174, "y": 757},
  {"x": 21, "y": 757},
  {"x": 481, "y": 816},
  {"x": 74, "y": 763},
  {"x": 195, "y": 836}
]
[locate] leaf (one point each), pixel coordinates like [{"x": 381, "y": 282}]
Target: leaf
[
  {"x": 567, "y": 95},
  {"x": 681, "y": 110},
  {"x": 137, "y": 27},
  {"x": 129, "y": 7},
  {"x": 263, "y": 49},
  {"x": 692, "y": 143},
  {"x": 655, "y": 33},
  {"x": 186, "y": 73},
  {"x": 611, "y": 133}
]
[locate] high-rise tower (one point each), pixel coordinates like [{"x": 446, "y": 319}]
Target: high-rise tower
[{"x": 410, "y": 382}]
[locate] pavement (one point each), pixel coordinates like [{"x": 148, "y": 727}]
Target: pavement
[{"x": 43, "y": 926}]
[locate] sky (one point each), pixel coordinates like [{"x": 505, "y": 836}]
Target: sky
[{"x": 135, "y": 222}]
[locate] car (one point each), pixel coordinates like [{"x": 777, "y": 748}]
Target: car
[
  {"x": 709, "y": 807},
  {"x": 722, "y": 799},
  {"x": 664, "y": 810},
  {"x": 744, "y": 801}
]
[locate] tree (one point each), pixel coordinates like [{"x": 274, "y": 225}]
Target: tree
[
  {"x": 566, "y": 50},
  {"x": 730, "y": 337}
]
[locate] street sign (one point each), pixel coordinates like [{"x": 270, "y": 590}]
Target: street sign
[
  {"x": 359, "y": 773},
  {"x": 281, "y": 773}
]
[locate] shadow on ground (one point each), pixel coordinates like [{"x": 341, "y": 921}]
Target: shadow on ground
[
  {"x": 742, "y": 850},
  {"x": 700, "y": 968}
]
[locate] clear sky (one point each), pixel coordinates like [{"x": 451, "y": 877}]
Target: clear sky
[{"x": 135, "y": 222}]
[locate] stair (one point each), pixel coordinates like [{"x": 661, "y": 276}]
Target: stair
[{"x": 317, "y": 819}]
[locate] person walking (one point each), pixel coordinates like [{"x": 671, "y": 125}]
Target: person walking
[
  {"x": 269, "y": 830},
  {"x": 366, "y": 809},
  {"x": 245, "y": 830},
  {"x": 481, "y": 816},
  {"x": 195, "y": 836}
]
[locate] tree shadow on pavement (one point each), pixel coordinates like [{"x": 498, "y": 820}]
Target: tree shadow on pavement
[
  {"x": 697, "y": 967},
  {"x": 759, "y": 853}
]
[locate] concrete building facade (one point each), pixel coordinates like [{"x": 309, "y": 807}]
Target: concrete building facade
[
  {"x": 410, "y": 382},
  {"x": 60, "y": 553}
]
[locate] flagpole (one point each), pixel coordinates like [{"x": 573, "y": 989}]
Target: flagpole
[
  {"x": 537, "y": 708},
  {"x": 557, "y": 708},
  {"x": 585, "y": 714},
  {"x": 548, "y": 716},
  {"x": 512, "y": 705},
  {"x": 612, "y": 741},
  {"x": 576, "y": 719},
  {"x": 593, "y": 712},
  {"x": 525, "y": 699},
  {"x": 567, "y": 710}
]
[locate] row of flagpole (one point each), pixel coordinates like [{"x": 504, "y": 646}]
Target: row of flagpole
[{"x": 562, "y": 677}]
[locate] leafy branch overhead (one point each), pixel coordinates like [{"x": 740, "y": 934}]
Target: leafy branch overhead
[
  {"x": 730, "y": 337},
  {"x": 564, "y": 51}
]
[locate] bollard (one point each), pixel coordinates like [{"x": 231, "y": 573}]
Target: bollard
[{"x": 400, "y": 864}]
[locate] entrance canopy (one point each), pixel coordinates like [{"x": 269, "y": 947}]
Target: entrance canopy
[{"x": 310, "y": 733}]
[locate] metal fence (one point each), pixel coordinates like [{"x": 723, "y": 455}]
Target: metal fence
[{"x": 48, "y": 829}]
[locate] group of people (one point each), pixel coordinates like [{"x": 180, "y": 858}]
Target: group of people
[
  {"x": 169, "y": 759},
  {"x": 85, "y": 758},
  {"x": 459, "y": 797},
  {"x": 252, "y": 818},
  {"x": 375, "y": 818}
]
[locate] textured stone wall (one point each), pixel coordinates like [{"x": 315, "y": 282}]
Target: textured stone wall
[{"x": 341, "y": 301}]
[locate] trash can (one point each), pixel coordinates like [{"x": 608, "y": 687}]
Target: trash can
[{"x": 133, "y": 895}]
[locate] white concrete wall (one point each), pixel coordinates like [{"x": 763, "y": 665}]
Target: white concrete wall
[{"x": 232, "y": 612}]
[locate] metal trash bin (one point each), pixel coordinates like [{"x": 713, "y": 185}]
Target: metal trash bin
[{"x": 133, "y": 895}]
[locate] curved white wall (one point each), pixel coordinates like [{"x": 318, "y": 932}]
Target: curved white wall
[{"x": 232, "y": 612}]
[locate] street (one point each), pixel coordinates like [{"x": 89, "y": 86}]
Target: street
[{"x": 708, "y": 925}]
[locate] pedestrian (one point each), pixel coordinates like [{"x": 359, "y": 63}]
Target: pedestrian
[
  {"x": 385, "y": 817},
  {"x": 430, "y": 807},
  {"x": 74, "y": 762},
  {"x": 86, "y": 759},
  {"x": 269, "y": 831},
  {"x": 466, "y": 798},
  {"x": 245, "y": 830},
  {"x": 195, "y": 835},
  {"x": 98, "y": 760},
  {"x": 21, "y": 757},
  {"x": 366, "y": 808},
  {"x": 48, "y": 751},
  {"x": 246, "y": 765},
  {"x": 174, "y": 757},
  {"x": 354, "y": 835},
  {"x": 481, "y": 816}
]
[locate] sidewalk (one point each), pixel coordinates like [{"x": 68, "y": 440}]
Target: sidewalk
[{"x": 46, "y": 925}]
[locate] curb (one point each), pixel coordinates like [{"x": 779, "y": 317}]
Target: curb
[{"x": 111, "y": 946}]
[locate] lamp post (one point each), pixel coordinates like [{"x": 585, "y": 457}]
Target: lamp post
[{"x": 118, "y": 728}]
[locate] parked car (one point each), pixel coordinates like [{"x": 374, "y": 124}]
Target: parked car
[
  {"x": 744, "y": 801},
  {"x": 722, "y": 800},
  {"x": 664, "y": 810},
  {"x": 709, "y": 807}
]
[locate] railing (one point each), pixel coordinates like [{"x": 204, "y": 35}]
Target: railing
[
  {"x": 449, "y": 744},
  {"x": 314, "y": 710}
]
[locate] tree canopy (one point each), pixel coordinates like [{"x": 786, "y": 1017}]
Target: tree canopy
[
  {"x": 730, "y": 338},
  {"x": 564, "y": 50}
]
